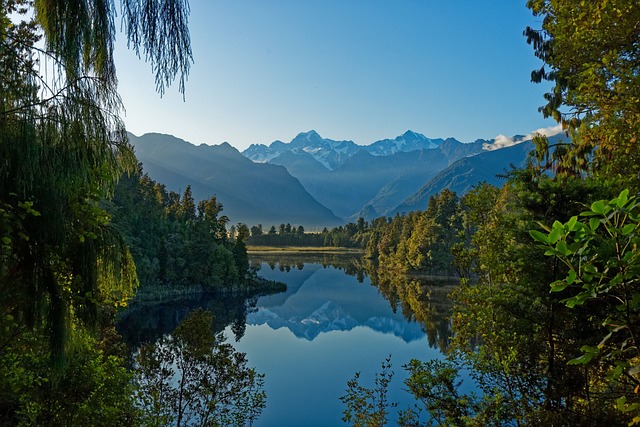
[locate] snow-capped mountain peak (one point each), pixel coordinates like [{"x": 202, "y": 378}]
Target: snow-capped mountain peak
[
  {"x": 327, "y": 151},
  {"x": 408, "y": 141},
  {"x": 332, "y": 154}
]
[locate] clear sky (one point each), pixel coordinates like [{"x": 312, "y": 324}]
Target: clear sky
[{"x": 351, "y": 69}]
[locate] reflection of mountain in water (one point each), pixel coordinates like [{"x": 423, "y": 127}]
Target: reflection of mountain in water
[
  {"x": 324, "y": 293},
  {"x": 320, "y": 299}
]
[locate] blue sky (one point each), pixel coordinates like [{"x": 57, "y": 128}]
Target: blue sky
[{"x": 351, "y": 69}]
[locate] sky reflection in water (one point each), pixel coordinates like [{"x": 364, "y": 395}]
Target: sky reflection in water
[{"x": 311, "y": 340}]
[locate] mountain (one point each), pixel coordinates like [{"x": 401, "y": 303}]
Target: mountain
[
  {"x": 332, "y": 154},
  {"x": 250, "y": 192},
  {"x": 467, "y": 172},
  {"x": 462, "y": 175},
  {"x": 370, "y": 185},
  {"x": 327, "y": 152},
  {"x": 408, "y": 141},
  {"x": 318, "y": 182}
]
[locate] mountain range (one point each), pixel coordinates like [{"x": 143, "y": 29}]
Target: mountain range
[
  {"x": 317, "y": 182},
  {"x": 253, "y": 193},
  {"x": 379, "y": 178},
  {"x": 332, "y": 154}
]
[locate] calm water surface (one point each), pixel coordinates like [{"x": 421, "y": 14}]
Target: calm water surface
[
  {"x": 310, "y": 340},
  {"x": 331, "y": 323}
]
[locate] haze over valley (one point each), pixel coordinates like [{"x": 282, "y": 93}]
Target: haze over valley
[{"x": 318, "y": 182}]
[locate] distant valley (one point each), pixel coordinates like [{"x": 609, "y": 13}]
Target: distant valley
[{"x": 318, "y": 182}]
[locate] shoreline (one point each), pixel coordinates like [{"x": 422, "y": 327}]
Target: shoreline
[
  {"x": 160, "y": 294},
  {"x": 302, "y": 249}
]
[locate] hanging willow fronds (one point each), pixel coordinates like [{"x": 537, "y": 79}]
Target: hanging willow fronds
[{"x": 63, "y": 146}]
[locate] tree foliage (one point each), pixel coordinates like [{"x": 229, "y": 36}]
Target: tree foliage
[
  {"x": 591, "y": 53},
  {"x": 193, "y": 378},
  {"x": 599, "y": 249},
  {"x": 63, "y": 147},
  {"x": 174, "y": 245},
  {"x": 368, "y": 407}
]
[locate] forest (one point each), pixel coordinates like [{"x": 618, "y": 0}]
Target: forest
[
  {"x": 83, "y": 229},
  {"x": 546, "y": 316}
]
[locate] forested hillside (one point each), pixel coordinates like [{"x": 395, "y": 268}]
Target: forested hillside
[
  {"x": 177, "y": 244},
  {"x": 64, "y": 266},
  {"x": 547, "y": 314}
]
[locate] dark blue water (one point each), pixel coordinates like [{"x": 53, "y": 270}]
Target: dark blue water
[
  {"x": 312, "y": 339},
  {"x": 309, "y": 341}
]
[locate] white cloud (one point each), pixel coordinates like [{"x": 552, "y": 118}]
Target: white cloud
[{"x": 502, "y": 141}]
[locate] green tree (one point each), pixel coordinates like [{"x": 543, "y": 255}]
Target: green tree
[
  {"x": 240, "y": 251},
  {"x": 368, "y": 407},
  {"x": 211, "y": 384},
  {"x": 64, "y": 146},
  {"x": 256, "y": 230},
  {"x": 187, "y": 210},
  {"x": 600, "y": 250},
  {"x": 590, "y": 53}
]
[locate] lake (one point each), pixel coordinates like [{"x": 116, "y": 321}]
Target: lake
[{"x": 309, "y": 341}]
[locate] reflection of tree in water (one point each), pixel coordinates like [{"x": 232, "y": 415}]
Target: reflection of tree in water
[
  {"x": 147, "y": 322},
  {"x": 350, "y": 263},
  {"x": 424, "y": 300}
]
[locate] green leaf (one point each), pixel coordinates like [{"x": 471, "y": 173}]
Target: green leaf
[
  {"x": 628, "y": 229},
  {"x": 584, "y": 359},
  {"x": 594, "y": 223},
  {"x": 554, "y": 236},
  {"x": 559, "y": 285},
  {"x": 538, "y": 236},
  {"x": 622, "y": 199},
  {"x": 572, "y": 223},
  {"x": 563, "y": 248},
  {"x": 598, "y": 207},
  {"x": 571, "y": 277}
]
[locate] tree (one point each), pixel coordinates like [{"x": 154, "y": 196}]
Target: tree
[
  {"x": 256, "y": 230},
  {"x": 209, "y": 212},
  {"x": 211, "y": 386},
  {"x": 63, "y": 147},
  {"x": 599, "y": 247},
  {"x": 187, "y": 210},
  {"x": 240, "y": 251},
  {"x": 591, "y": 54},
  {"x": 368, "y": 407}
]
